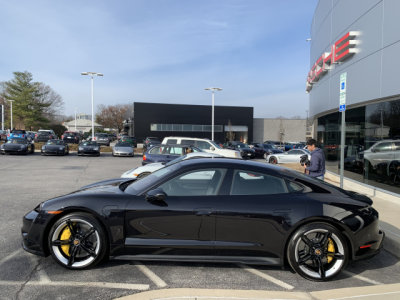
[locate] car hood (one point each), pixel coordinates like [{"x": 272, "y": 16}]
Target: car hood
[
  {"x": 124, "y": 149},
  {"x": 53, "y": 146},
  {"x": 14, "y": 146}
]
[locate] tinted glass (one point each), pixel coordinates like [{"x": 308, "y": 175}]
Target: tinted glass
[
  {"x": 204, "y": 182},
  {"x": 171, "y": 141},
  {"x": 253, "y": 183},
  {"x": 18, "y": 131},
  {"x": 383, "y": 147},
  {"x": 203, "y": 145},
  {"x": 188, "y": 142}
]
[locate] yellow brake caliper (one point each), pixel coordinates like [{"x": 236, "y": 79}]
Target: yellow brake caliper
[
  {"x": 65, "y": 235},
  {"x": 331, "y": 249}
]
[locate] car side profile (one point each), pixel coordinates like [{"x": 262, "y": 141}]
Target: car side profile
[
  {"x": 291, "y": 156},
  {"x": 17, "y": 146},
  {"x": 209, "y": 210}
]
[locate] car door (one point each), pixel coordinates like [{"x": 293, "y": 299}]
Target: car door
[
  {"x": 255, "y": 215},
  {"x": 182, "y": 223}
]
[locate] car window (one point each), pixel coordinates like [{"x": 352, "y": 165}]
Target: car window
[
  {"x": 206, "y": 182},
  {"x": 294, "y": 187},
  {"x": 155, "y": 150},
  {"x": 253, "y": 183},
  {"x": 202, "y": 145},
  {"x": 295, "y": 152},
  {"x": 383, "y": 147},
  {"x": 188, "y": 142},
  {"x": 172, "y": 141},
  {"x": 396, "y": 146},
  {"x": 176, "y": 150}
]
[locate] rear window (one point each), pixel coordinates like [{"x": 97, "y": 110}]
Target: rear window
[
  {"x": 18, "y": 131},
  {"x": 188, "y": 142}
]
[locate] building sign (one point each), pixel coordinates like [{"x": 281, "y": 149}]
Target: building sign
[{"x": 340, "y": 51}]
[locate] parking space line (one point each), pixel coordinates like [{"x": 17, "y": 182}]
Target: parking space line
[
  {"x": 366, "y": 295},
  {"x": 362, "y": 278},
  {"x": 267, "y": 277},
  {"x": 151, "y": 275},
  {"x": 8, "y": 257},
  {"x": 109, "y": 285}
]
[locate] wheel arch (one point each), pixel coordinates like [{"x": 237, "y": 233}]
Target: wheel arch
[
  {"x": 98, "y": 218},
  {"x": 330, "y": 221}
]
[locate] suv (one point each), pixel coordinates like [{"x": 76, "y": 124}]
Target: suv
[
  {"x": 102, "y": 139},
  {"x": 44, "y": 135},
  {"x": 203, "y": 144},
  {"x": 384, "y": 151},
  {"x": 71, "y": 137},
  {"x": 150, "y": 142}
]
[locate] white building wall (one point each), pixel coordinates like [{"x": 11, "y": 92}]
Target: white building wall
[{"x": 285, "y": 130}]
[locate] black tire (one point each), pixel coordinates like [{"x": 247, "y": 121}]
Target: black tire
[
  {"x": 273, "y": 160},
  {"x": 317, "y": 251},
  {"x": 77, "y": 241},
  {"x": 142, "y": 175}
]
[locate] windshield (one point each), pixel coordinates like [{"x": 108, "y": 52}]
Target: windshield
[
  {"x": 241, "y": 145},
  {"x": 16, "y": 141},
  {"x": 124, "y": 145},
  {"x": 136, "y": 187},
  {"x": 216, "y": 146},
  {"x": 89, "y": 143},
  {"x": 55, "y": 142}
]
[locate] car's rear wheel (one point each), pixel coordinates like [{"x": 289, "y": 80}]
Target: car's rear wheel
[
  {"x": 77, "y": 241},
  {"x": 317, "y": 251},
  {"x": 273, "y": 160}
]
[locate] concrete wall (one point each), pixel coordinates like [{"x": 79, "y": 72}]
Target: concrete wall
[
  {"x": 270, "y": 129},
  {"x": 372, "y": 73}
]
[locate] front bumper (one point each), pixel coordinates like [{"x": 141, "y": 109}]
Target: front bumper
[
  {"x": 53, "y": 152},
  {"x": 123, "y": 154},
  {"x": 88, "y": 152},
  {"x": 32, "y": 232}
]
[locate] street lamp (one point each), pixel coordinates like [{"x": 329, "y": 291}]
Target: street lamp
[
  {"x": 11, "y": 125},
  {"x": 212, "y": 89},
  {"x": 92, "y": 74}
]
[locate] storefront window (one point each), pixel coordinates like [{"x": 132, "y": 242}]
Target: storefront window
[{"x": 371, "y": 152}]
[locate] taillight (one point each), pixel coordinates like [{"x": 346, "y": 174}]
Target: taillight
[
  {"x": 62, "y": 137},
  {"x": 144, "y": 157},
  {"x": 23, "y": 135},
  {"x": 8, "y": 134}
]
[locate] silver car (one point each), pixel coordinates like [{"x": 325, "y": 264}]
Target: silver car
[
  {"x": 291, "y": 156},
  {"x": 123, "y": 149},
  {"x": 384, "y": 151}
]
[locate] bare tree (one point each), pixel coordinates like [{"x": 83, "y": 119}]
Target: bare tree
[
  {"x": 52, "y": 101},
  {"x": 112, "y": 116}
]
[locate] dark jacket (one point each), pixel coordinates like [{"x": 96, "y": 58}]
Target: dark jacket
[{"x": 317, "y": 166}]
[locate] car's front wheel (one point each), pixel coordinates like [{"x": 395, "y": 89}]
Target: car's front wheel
[
  {"x": 77, "y": 241},
  {"x": 317, "y": 251},
  {"x": 273, "y": 160}
]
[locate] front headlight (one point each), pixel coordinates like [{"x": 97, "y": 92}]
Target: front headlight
[
  {"x": 22, "y": 147},
  {"x": 44, "y": 148},
  {"x": 61, "y": 148},
  {"x": 80, "y": 148},
  {"x": 96, "y": 148}
]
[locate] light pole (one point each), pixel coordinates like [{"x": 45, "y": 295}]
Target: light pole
[
  {"x": 92, "y": 74},
  {"x": 212, "y": 89},
  {"x": 11, "y": 125}
]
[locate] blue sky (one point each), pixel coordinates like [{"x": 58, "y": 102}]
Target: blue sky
[{"x": 164, "y": 51}]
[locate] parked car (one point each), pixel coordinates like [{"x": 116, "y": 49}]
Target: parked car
[
  {"x": 383, "y": 151},
  {"x": 16, "y": 133},
  {"x": 202, "y": 210},
  {"x": 44, "y": 135},
  {"x": 55, "y": 147},
  {"x": 3, "y": 135},
  {"x": 17, "y": 146},
  {"x": 270, "y": 149},
  {"x": 244, "y": 149},
  {"x": 258, "y": 149},
  {"x": 150, "y": 142},
  {"x": 89, "y": 148},
  {"x": 165, "y": 153},
  {"x": 203, "y": 144},
  {"x": 129, "y": 139},
  {"x": 145, "y": 170},
  {"x": 123, "y": 149},
  {"x": 102, "y": 139},
  {"x": 291, "y": 156},
  {"x": 71, "y": 137}
]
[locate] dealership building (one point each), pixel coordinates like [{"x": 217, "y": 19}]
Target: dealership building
[{"x": 354, "y": 67}]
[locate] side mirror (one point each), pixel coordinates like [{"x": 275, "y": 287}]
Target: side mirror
[
  {"x": 373, "y": 150},
  {"x": 156, "y": 197},
  {"x": 212, "y": 148}
]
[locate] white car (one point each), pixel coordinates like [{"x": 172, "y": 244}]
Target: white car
[
  {"x": 203, "y": 144},
  {"x": 291, "y": 156},
  {"x": 145, "y": 170}
]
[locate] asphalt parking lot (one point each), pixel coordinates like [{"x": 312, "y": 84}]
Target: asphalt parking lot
[{"x": 25, "y": 181}]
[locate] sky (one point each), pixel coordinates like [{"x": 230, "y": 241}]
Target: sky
[{"x": 163, "y": 51}]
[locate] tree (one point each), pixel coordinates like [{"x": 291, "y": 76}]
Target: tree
[
  {"x": 34, "y": 102},
  {"x": 112, "y": 116}
]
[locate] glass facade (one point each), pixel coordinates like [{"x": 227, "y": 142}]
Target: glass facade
[
  {"x": 185, "y": 127},
  {"x": 372, "y": 151}
]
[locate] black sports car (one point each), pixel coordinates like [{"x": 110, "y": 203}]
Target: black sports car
[
  {"x": 209, "y": 210},
  {"x": 55, "y": 147},
  {"x": 17, "y": 146},
  {"x": 89, "y": 148}
]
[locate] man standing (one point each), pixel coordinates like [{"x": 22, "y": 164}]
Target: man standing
[{"x": 317, "y": 165}]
